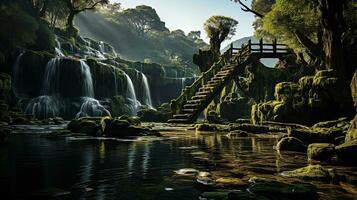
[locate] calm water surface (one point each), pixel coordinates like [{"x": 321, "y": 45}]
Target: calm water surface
[{"x": 33, "y": 166}]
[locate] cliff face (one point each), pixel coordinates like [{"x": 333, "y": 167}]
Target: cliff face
[{"x": 86, "y": 74}]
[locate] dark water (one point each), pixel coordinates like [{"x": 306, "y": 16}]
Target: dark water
[{"x": 32, "y": 166}]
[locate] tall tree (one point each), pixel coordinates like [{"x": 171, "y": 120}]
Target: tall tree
[
  {"x": 218, "y": 29},
  {"x": 142, "y": 19},
  {"x": 77, "y": 6}
]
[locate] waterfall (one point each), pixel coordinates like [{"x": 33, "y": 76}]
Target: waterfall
[
  {"x": 51, "y": 79},
  {"x": 102, "y": 47},
  {"x": 17, "y": 76},
  {"x": 58, "y": 48},
  {"x": 44, "y": 107},
  {"x": 131, "y": 96},
  {"x": 92, "y": 107},
  {"x": 183, "y": 81},
  {"x": 146, "y": 91},
  {"x": 87, "y": 90}
]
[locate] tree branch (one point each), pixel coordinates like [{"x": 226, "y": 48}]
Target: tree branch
[{"x": 245, "y": 8}]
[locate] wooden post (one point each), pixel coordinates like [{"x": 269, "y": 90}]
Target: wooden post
[
  {"x": 250, "y": 45},
  {"x": 231, "y": 56},
  {"x": 274, "y": 46},
  {"x": 261, "y": 45}
]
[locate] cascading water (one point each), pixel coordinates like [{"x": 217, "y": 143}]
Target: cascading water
[
  {"x": 92, "y": 107},
  {"x": 44, "y": 107},
  {"x": 58, "y": 48},
  {"x": 87, "y": 90},
  {"x": 131, "y": 95},
  {"x": 17, "y": 76},
  {"x": 146, "y": 91}
]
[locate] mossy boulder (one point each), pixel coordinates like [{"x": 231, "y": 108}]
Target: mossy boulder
[
  {"x": 282, "y": 191},
  {"x": 311, "y": 172},
  {"x": 318, "y": 98},
  {"x": 121, "y": 128},
  {"x": 92, "y": 126},
  {"x": 5, "y": 86},
  {"x": 291, "y": 144},
  {"x": 347, "y": 152},
  {"x": 320, "y": 151},
  {"x": 161, "y": 114},
  {"x": 233, "y": 108},
  {"x": 206, "y": 127}
]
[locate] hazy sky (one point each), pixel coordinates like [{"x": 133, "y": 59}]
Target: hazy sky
[{"x": 189, "y": 15}]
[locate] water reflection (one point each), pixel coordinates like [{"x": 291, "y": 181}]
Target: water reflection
[{"x": 107, "y": 169}]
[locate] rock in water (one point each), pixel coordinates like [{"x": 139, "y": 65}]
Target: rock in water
[
  {"x": 280, "y": 191},
  {"x": 347, "y": 152},
  {"x": 291, "y": 144},
  {"x": 311, "y": 172},
  {"x": 321, "y": 151}
]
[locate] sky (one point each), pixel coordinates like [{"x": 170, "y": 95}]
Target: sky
[{"x": 189, "y": 15}]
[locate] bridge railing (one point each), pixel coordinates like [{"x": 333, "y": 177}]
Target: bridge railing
[{"x": 261, "y": 47}]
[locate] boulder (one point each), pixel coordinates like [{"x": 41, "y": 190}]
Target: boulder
[
  {"x": 347, "y": 152},
  {"x": 240, "y": 195},
  {"x": 206, "y": 127},
  {"x": 282, "y": 191},
  {"x": 320, "y": 151},
  {"x": 161, "y": 114},
  {"x": 91, "y": 126},
  {"x": 120, "y": 127},
  {"x": 291, "y": 144},
  {"x": 237, "y": 133},
  {"x": 311, "y": 172}
]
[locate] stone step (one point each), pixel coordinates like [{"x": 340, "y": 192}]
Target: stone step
[
  {"x": 182, "y": 116},
  {"x": 191, "y": 106},
  {"x": 188, "y": 111},
  {"x": 198, "y": 97},
  {"x": 196, "y": 101},
  {"x": 215, "y": 81},
  {"x": 212, "y": 85},
  {"x": 179, "y": 121},
  {"x": 203, "y": 93},
  {"x": 206, "y": 89}
]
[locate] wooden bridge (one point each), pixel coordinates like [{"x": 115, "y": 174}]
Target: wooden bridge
[{"x": 196, "y": 97}]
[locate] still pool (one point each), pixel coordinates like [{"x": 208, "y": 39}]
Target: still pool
[{"x": 33, "y": 166}]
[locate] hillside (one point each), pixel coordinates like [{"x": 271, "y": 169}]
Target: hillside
[{"x": 159, "y": 46}]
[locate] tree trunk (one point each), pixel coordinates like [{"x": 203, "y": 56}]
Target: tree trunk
[
  {"x": 70, "y": 20},
  {"x": 215, "y": 45},
  {"x": 333, "y": 24}
]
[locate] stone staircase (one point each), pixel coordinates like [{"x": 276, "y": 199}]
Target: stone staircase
[{"x": 196, "y": 97}]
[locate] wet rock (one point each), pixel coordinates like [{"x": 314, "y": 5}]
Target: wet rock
[
  {"x": 237, "y": 133},
  {"x": 291, "y": 144},
  {"x": 88, "y": 125},
  {"x": 318, "y": 135},
  {"x": 311, "y": 172},
  {"x": 244, "y": 195},
  {"x": 282, "y": 191},
  {"x": 231, "y": 182},
  {"x": 162, "y": 114},
  {"x": 206, "y": 127},
  {"x": 256, "y": 129},
  {"x": 216, "y": 195},
  {"x": 320, "y": 151},
  {"x": 187, "y": 171},
  {"x": 123, "y": 128},
  {"x": 352, "y": 130},
  {"x": 347, "y": 152}
]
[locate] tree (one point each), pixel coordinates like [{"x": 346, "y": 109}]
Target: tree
[
  {"x": 142, "y": 19},
  {"x": 324, "y": 30},
  {"x": 77, "y": 6},
  {"x": 218, "y": 29},
  {"x": 194, "y": 35}
]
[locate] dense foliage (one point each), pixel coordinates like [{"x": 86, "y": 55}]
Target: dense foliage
[
  {"x": 218, "y": 29},
  {"x": 141, "y": 35}
]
